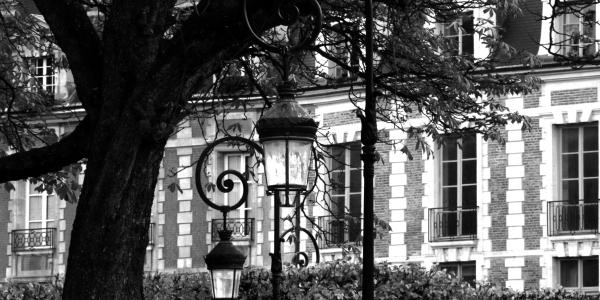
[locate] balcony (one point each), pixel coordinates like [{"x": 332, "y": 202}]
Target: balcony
[
  {"x": 33, "y": 239},
  {"x": 452, "y": 224},
  {"x": 242, "y": 229},
  {"x": 570, "y": 218},
  {"x": 339, "y": 230}
]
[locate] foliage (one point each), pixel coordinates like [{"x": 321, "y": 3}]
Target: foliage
[{"x": 331, "y": 280}]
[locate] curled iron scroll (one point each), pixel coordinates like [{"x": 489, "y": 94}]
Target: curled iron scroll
[
  {"x": 224, "y": 185},
  {"x": 290, "y": 12},
  {"x": 301, "y": 253}
]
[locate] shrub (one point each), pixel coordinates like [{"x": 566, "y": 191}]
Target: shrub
[{"x": 331, "y": 280}]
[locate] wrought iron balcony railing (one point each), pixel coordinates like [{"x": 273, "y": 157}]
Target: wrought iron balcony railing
[
  {"x": 451, "y": 224},
  {"x": 568, "y": 217},
  {"x": 340, "y": 229},
  {"x": 243, "y": 229},
  {"x": 31, "y": 239}
]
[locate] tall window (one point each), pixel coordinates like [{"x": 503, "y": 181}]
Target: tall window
[
  {"x": 43, "y": 72},
  {"x": 579, "y": 177},
  {"x": 458, "y": 32},
  {"x": 458, "y": 187},
  {"x": 345, "y": 193},
  {"x": 579, "y": 273},
  {"x": 576, "y": 30},
  {"x": 239, "y": 162},
  {"x": 464, "y": 270},
  {"x": 41, "y": 209}
]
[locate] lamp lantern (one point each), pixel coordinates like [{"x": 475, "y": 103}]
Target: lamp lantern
[
  {"x": 287, "y": 132},
  {"x": 225, "y": 263}
]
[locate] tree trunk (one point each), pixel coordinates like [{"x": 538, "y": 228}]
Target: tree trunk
[{"x": 110, "y": 233}]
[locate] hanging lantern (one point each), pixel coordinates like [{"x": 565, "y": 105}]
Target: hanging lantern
[{"x": 225, "y": 263}]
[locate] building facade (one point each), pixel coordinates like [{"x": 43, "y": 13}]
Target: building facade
[{"x": 522, "y": 213}]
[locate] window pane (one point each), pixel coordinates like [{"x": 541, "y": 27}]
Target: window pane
[
  {"x": 469, "y": 196},
  {"x": 570, "y": 141},
  {"x": 570, "y": 166},
  {"x": 449, "y": 197},
  {"x": 338, "y": 158},
  {"x": 338, "y": 183},
  {"x": 35, "y": 225},
  {"x": 234, "y": 162},
  {"x": 32, "y": 189},
  {"x": 355, "y": 155},
  {"x": 469, "y": 147},
  {"x": 469, "y": 171},
  {"x": 590, "y": 272},
  {"x": 449, "y": 150},
  {"x": 450, "y": 268},
  {"x": 590, "y": 164},
  {"x": 355, "y": 180},
  {"x": 52, "y": 207},
  {"x": 35, "y": 207},
  {"x": 590, "y": 189},
  {"x": 590, "y": 138},
  {"x": 355, "y": 205},
  {"x": 34, "y": 262},
  {"x": 570, "y": 190},
  {"x": 449, "y": 173},
  {"x": 338, "y": 206},
  {"x": 468, "y": 272},
  {"x": 568, "y": 273}
]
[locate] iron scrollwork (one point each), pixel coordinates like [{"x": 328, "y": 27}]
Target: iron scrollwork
[{"x": 222, "y": 184}]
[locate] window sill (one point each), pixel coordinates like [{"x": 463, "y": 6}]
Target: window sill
[
  {"x": 573, "y": 237},
  {"x": 448, "y": 244}
]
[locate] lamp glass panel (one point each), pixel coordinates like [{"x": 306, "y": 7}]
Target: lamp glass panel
[
  {"x": 226, "y": 283},
  {"x": 299, "y": 161}
]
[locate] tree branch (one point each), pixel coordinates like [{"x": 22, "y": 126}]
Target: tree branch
[
  {"x": 47, "y": 159},
  {"x": 78, "y": 39}
]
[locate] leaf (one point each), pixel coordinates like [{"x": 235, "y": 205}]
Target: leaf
[
  {"x": 8, "y": 186},
  {"x": 174, "y": 186}
]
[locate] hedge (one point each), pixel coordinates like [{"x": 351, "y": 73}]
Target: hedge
[{"x": 332, "y": 280}]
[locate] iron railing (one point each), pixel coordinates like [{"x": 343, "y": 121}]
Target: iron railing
[
  {"x": 242, "y": 229},
  {"x": 451, "y": 224},
  {"x": 567, "y": 217},
  {"x": 31, "y": 239},
  {"x": 339, "y": 229}
]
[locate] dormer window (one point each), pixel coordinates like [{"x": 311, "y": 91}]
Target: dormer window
[
  {"x": 575, "y": 33},
  {"x": 42, "y": 70},
  {"x": 458, "y": 31}
]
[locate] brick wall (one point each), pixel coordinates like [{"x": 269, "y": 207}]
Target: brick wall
[
  {"x": 199, "y": 227},
  {"x": 498, "y": 271},
  {"x": 339, "y": 118},
  {"x": 381, "y": 195},
  {"x": 498, "y": 207},
  {"x": 414, "y": 197},
  {"x": 170, "y": 230},
  {"x": 576, "y": 96},
  {"x": 532, "y": 182},
  {"x": 4, "y": 220},
  {"x": 532, "y": 100},
  {"x": 532, "y": 272}
]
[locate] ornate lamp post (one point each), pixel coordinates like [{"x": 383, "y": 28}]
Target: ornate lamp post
[{"x": 287, "y": 133}]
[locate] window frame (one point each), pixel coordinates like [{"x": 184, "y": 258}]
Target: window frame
[
  {"x": 462, "y": 34},
  {"x": 353, "y": 228},
  {"x": 44, "y": 220},
  {"x": 561, "y": 37},
  {"x": 459, "y": 269},
  {"x": 459, "y": 169},
  {"x": 47, "y": 63},
  {"x": 580, "y": 274}
]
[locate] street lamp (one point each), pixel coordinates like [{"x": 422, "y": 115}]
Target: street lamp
[
  {"x": 225, "y": 263},
  {"x": 287, "y": 132}
]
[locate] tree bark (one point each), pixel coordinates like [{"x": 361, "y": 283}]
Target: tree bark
[{"x": 109, "y": 237}]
